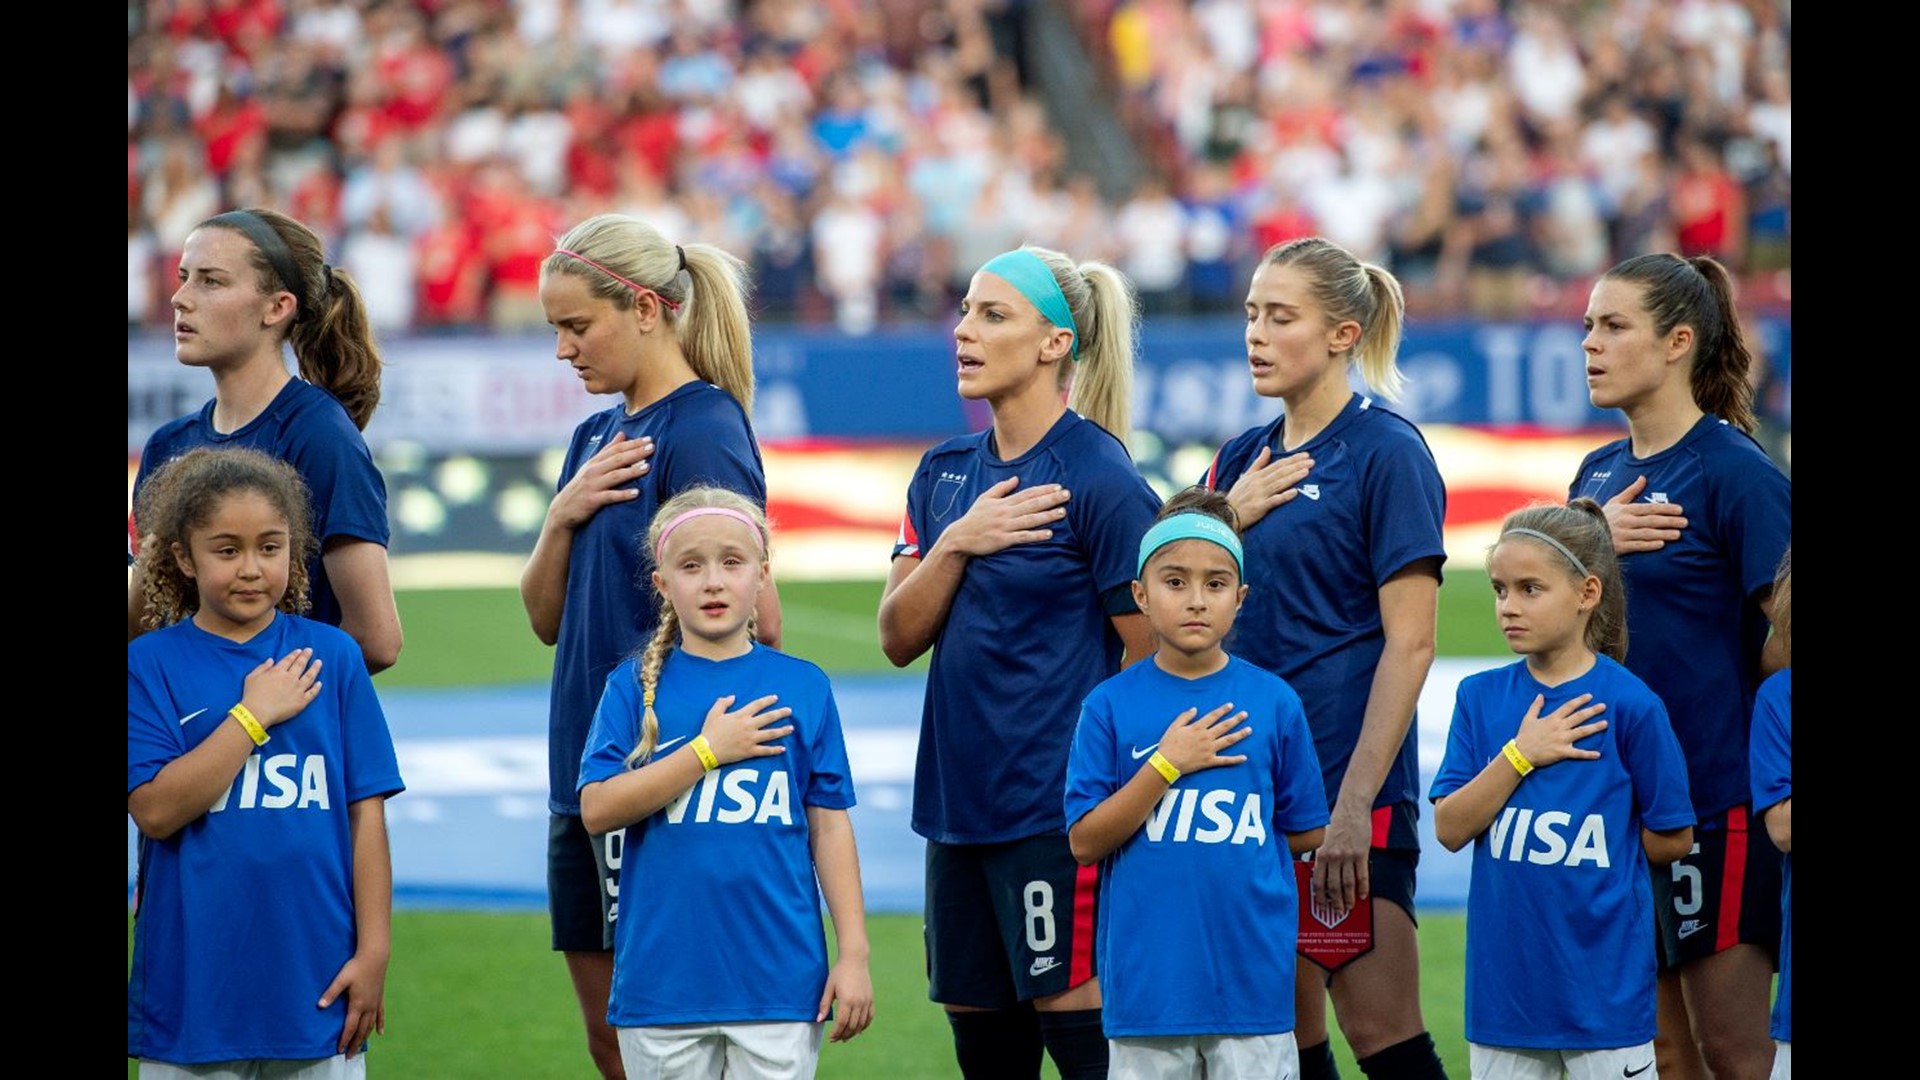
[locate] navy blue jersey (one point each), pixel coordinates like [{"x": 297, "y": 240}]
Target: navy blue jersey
[
  {"x": 246, "y": 914},
  {"x": 1559, "y": 956},
  {"x": 1772, "y": 782},
  {"x": 1029, "y": 631},
  {"x": 720, "y": 919},
  {"x": 1694, "y": 626},
  {"x": 1373, "y": 504},
  {"x": 308, "y": 428},
  {"x": 1198, "y": 916},
  {"x": 701, "y": 436}
]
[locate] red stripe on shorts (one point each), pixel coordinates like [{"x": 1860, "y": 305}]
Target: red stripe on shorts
[
  {"x": 1086, "y": 890},
  {"x": 1382, "y": 821},
  {"x": 1733, "y": 881}
]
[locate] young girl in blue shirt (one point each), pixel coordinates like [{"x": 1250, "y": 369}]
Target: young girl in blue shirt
[
  {"x": 1196, "y": 821},
  {"x": 1772, "y": 745},
  {"x": 724, "y": 762},
  {"x": 665, "y": 327},
  {"x": 262, "y": 910},
  {"x": 1562, "y": 771}
]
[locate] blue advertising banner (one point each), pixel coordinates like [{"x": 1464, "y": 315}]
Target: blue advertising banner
[{"x": 505, "y": 394}]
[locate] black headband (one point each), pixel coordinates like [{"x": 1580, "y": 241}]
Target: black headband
[
  {"x": 271, "y": 244},
  {"x": 682, "y": 253}
]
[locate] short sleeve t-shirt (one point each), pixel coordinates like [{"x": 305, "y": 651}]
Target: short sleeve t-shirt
[
  {"x": 1560, "y": 951},
  {"x": 308, "y": 428},
  {"x": 732, "y": 851},
  {"x": 701, "y": 436},
  {"x": 1373, "y": 505},
  {"x": 1028, "y": 633},
  {"x": 1695, "y": 630},
  {"x": 275, "y": 850},
  {"x": 1198, "y": 915}
]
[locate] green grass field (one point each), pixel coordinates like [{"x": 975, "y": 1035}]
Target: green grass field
[
  {"x": 477, "y": 637},
  {"x": 475, "y": 996},
  {"x": 479, "y": 995}
]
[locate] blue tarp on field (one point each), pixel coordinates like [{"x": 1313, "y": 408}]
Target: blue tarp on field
[{"x": 471, "y": 829}]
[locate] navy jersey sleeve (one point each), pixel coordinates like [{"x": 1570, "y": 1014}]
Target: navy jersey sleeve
[
  {"x": 1090, "y": 775},
  {"x": 616, "y": 727},
  {"x": 372, "y": 766},
  {"x": 1406, "y": 508},
  {"x": 153, "y": 734},
  {"x": 830, "y": 782},
  {"x": 1111, "y": 509},
  {"x": 1299, "y": 793},
  {"x": 908, "y": 542},
  {"x": 1752, "y": 515},
  {"x": 349, "y": 494},
  {"x": 714, "y": 447},
  {"x": 1772, "y": 742},
  {"x": 1651, "y": 754},
  {"x": 1462, "y": 760}
]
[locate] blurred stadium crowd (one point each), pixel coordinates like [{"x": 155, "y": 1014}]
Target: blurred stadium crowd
[{"x": 867, "y": 155}]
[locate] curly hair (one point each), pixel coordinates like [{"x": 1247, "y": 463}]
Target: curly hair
[{"x": 185, "y": 494}]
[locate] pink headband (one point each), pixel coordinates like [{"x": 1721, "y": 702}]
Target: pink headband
[
  {"x": 700, "y": 511},
  {"x": 672, "y": 305}
]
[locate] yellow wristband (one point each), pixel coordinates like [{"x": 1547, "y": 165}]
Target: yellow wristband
[
  {"x": 1517, "y": 759},
  {"x": 1164, "y": 767},
  {"x": 247, "y": 720},
  {"x": 703, "y": 750}
]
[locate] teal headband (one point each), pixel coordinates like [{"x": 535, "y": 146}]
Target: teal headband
[
  {"x": 1025, "y": 271},
  {"x": 1191, "y": 525}
]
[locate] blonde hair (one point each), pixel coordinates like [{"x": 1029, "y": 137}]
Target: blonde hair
[
  {"x": 184, "y": 495},
  {"x": 707, "y": 308},
  {"x": 1106, "y": 317},
  {"x": 653, "y": 655},
  {"x": 1581, "y": 528},
  {"x": 1346, "y": 288}
]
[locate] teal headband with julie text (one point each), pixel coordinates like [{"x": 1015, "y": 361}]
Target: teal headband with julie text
[
  {"x": 1191, "y": 525},
  {"x": 1026, "y": 272}
]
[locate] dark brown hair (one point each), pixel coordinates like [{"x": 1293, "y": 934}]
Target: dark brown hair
[{"x": 1698, "y": 292}]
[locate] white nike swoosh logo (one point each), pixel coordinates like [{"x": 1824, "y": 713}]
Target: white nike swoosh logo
[
  {"x": 191, "y": 715},
  {"x": 1138, "y": 754},
  {"x": 662, "y": 746}
]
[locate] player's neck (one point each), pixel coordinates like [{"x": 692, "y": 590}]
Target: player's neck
[
  {"x": 722, "y": 648},
  {"x": 1660, "y": 422},
  {"x": 659, "y": 376},
  {"x": 242, "y": 393},
  {"x": 1190, "y": 665},
  {"x": 1309, "y": 413},
  {"x": 1553, "y": 667},
  {"x": 1020, "y": 422}
]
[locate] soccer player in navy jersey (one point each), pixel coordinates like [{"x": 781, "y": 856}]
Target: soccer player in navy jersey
[
  {"x": 1701, "y": 517},
  {"x": 1193, "y": 782},
  {"x": 664, "y": 327},
  {"x": 1015, "y": 564},
  {"x": 1563, "y": 773},
  {"x": 1340, "y": 506},
  {"x": 250, "y": 282}
]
